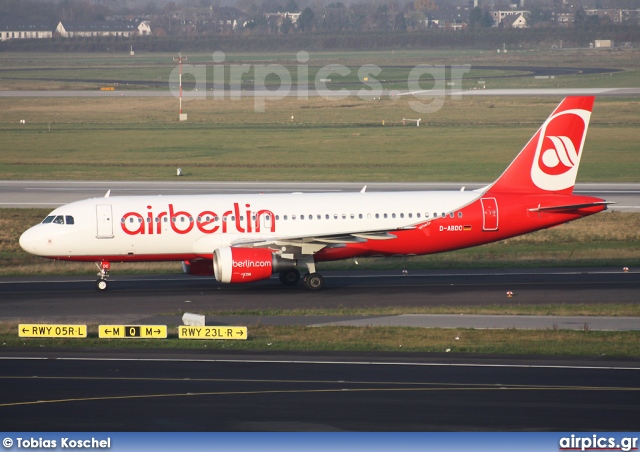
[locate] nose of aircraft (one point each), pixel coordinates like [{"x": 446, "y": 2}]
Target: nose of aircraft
[{"x": 31, "y": 241}]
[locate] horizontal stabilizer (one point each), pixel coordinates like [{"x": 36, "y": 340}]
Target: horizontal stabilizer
[{"x": 569, "y": 207}]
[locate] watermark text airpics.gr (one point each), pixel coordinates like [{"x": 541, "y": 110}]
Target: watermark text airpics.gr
[
  {"x": 596, "y": 442},
  {"x": 427, "y": 85}
]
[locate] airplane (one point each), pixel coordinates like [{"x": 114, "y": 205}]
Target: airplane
[{"x": 249, "y": 237}]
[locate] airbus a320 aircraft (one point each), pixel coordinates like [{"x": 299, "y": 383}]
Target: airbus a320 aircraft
[{"x": 245, "y": 238}]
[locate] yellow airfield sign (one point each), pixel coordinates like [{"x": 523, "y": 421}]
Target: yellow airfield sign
[
  {"x": 132, "y": 331},
  {"x": 44, "y": 330},
  {"x": 213, "y": 332}
]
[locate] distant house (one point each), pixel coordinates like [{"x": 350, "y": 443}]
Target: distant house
[
  {"x": 26, "y": 30},
  {"x": 514, "y": 21},
  {"x": 217, "y": 19},
  {"x": 281, "y": 16},
  {"x": 564, "y": 18},
  {"x": 499, "y": 16},
  {"x": 69, "y": 29}
]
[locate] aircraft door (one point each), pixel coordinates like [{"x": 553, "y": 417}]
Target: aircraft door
[
  {"x": 104, "y": 220},
  {"x": 489, "y": 214},
  {"x": 267, "y": 222}
]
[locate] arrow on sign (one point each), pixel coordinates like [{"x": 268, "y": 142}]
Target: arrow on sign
[{"x": 24, "y": 330}]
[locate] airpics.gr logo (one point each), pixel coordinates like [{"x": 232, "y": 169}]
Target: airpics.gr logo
[{"x": 559, "y": 148}]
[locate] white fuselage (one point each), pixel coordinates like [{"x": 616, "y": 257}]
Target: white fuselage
[{"x": 176, "y": 227}]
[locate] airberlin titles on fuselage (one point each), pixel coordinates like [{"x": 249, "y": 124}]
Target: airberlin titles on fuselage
[{"x": 207, "y": 221}]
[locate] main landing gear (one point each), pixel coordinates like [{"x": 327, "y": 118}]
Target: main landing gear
[
  {"x": 104, "y": 267},
  {"x": 312, "y": 280}
]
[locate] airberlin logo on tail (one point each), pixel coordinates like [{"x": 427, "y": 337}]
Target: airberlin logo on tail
[{"x": 559, "y": 149}]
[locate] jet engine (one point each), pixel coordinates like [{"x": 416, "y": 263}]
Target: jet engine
[{"x": 243, "y": 265}]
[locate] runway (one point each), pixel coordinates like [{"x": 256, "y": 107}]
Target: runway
[
  {"x": 163, "y": 299},
  {"x": 52, "y": 194},
  {"x": 137, "y": 390},
  {"x": 83, "y": 389},
  {"x": 341, "y": 93}
]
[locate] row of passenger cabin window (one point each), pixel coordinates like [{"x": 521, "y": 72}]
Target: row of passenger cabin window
[
  {"x": 336, "y": 216},
  {"x": 59, "y": 219}
]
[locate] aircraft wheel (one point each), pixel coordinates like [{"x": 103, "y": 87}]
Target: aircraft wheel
[
  {"x": 290, "y": 277},
  {"x": 101, "y": 284},
  {"x": 314, "y": 281}
]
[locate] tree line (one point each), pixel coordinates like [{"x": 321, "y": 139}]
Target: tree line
[{"x": 486, "y": 38}]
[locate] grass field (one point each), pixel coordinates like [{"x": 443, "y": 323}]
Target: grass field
[
  {"x": 140, "y": 139},
  {"x": 387, "y": 339}
]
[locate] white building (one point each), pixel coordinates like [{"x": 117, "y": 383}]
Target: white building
[
  {"x": 10, "y": 30},
  {"x": 499, "y": 16},
  {"x": 68, "y": 29}
]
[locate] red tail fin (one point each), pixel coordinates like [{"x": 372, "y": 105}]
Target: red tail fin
[{"x": 549, "y": 162}]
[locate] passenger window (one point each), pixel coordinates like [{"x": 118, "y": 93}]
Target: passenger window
[
  {"x": 352, "y": 216},
  {"x": 302, "y": 217},
  {"x": 385, "y": 215},
  {"x": 451, "y": 215},
  {"x": 401, "y": 215},
  {"x": 393, "y": 215},
  {"x": 459, "y": 214},
  {"x": 68, "y": 219},
  {"x": 435, "y": 214}
]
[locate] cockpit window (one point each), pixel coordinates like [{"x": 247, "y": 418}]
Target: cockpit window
[{"x": 59, "y": 219}]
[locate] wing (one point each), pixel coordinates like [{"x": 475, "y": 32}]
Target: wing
[{"x": 297, "y": 246}]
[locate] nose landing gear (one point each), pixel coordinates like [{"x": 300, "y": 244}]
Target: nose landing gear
[{"x": 103, "y": 267}]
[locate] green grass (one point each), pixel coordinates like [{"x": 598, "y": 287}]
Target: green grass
[
  {"x": 139, "y": 139},
  {"x": 380, "y": 339}
]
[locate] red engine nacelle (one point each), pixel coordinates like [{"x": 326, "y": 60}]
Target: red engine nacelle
[
  {"x": 198, "y": 267},
  {"x": 242, "y": 265}
]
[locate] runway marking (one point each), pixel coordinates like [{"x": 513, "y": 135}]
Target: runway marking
[
  {"x": 413, "y": 275},
  {"x": 370, "y": 363},
  {"x": 30, "y": 203},
  {"x": 493, "y": 387}
]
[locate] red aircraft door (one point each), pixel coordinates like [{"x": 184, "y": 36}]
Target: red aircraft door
[{"x": 489, "y": 214}]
